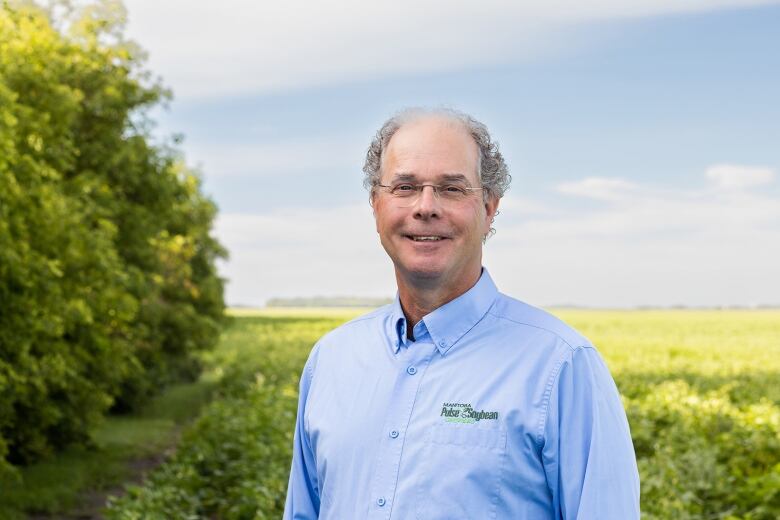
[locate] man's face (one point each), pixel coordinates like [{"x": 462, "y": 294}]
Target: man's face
[{"x": 433, "y": 150}]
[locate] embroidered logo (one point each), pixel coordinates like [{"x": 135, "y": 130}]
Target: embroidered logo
[{"x": 465, "y": 413}]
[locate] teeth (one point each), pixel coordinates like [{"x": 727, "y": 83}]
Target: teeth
[{"x": 424, "y": 239}]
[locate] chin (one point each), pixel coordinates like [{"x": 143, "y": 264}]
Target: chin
[{"x": 423, "y": 270}]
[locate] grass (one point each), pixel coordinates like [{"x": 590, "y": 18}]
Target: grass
[
  {"x": 700, "y": 390},
  {"x": 56, "y": 486},
  {"x": 734, "y": 350}
]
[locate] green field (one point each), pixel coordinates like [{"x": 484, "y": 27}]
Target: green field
[{"x": 700, "y": 388}]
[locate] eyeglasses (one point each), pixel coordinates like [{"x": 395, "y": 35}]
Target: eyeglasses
[{"x": 408, "y": 192}]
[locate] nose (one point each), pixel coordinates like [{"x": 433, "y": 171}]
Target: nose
[{"x": 427, "y": 204}]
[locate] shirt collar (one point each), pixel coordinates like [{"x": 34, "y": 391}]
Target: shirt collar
[
  {"x": 451, "y": 321},
  {"x": 397, "y": 325}
]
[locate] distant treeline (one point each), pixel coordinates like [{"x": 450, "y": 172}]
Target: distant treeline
[
  {"x": 321, "y": 301},
  {"x": 108, "y": 284}
]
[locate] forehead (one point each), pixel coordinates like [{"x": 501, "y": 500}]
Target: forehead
[{"x": 431, "y": 148}]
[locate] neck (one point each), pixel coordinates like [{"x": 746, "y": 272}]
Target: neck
[{"x": 421, "y": 297}]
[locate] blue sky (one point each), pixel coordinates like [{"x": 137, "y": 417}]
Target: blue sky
[{"x": 642, "y": 140}]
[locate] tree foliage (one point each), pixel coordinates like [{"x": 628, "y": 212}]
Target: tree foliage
[{"x": 108, "y": 285}]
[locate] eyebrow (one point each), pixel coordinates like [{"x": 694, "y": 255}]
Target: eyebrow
[{"x": 452, "y": 177}]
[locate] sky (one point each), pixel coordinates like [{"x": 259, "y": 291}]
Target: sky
[{"x": 642, "y": 138}]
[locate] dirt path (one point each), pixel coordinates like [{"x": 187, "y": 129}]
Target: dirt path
[{"x": 93, "y": 502}]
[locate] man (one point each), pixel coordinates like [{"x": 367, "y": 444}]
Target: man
[{"x": 456, "y": 401}]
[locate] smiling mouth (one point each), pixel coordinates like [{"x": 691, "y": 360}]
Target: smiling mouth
[{"x": 425, "y": 238}]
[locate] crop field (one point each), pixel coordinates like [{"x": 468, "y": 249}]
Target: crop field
[{"x": 701, "y": 389}]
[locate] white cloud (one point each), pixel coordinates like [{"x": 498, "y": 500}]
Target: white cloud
[
  {"x": 734, "y": 176},
  {"x": 209, "y": 49},
  {"x": 516, "y": 205},
  {"x": 303, "y": 252},
  {"x": 598, "y": 188},
  {"x": 653, "y": 246},
  {"x": 267, "y": 157},
  {"x": 648, "y": 245},
  {"x": 639, "y": 209}
]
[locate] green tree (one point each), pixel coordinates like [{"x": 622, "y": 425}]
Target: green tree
[{"x": 108, "y": 284}]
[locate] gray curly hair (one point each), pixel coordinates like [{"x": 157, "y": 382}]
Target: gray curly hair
[{"x": 493, "y": 171}]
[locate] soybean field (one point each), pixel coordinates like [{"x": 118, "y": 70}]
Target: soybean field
[{"x": 700, "y": 389}]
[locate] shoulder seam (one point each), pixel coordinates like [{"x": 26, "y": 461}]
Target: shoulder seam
[
  {"x": 348, "y": 324},
  {"x": 536, "y": 327},
  {"x": 369, "y": 316}
]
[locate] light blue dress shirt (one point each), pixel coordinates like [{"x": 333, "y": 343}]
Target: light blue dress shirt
[{"x": 496, "y": 410}]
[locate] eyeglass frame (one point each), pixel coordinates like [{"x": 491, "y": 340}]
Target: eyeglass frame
[{"x": 418, "y": 188}]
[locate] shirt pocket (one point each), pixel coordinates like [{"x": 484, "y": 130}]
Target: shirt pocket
[{"x": 460, "y": 472}]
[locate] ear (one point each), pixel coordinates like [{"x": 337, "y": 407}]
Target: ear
[{"x": 491, "y": 209}]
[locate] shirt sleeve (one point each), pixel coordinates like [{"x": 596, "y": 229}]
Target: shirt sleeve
[
  {"x": 303, "y": 500},
  {"x": 587, "y": 451}
]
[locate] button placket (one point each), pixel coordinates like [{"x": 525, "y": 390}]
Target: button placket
[{"x": 385, "y": 478}]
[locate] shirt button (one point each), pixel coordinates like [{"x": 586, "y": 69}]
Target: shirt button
[
  {"x": 411, "y": 371},
  {"x": 394, "y": 434},
  {"x": 380, "y": 501},
  {"x": 442, "y": 343}
]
